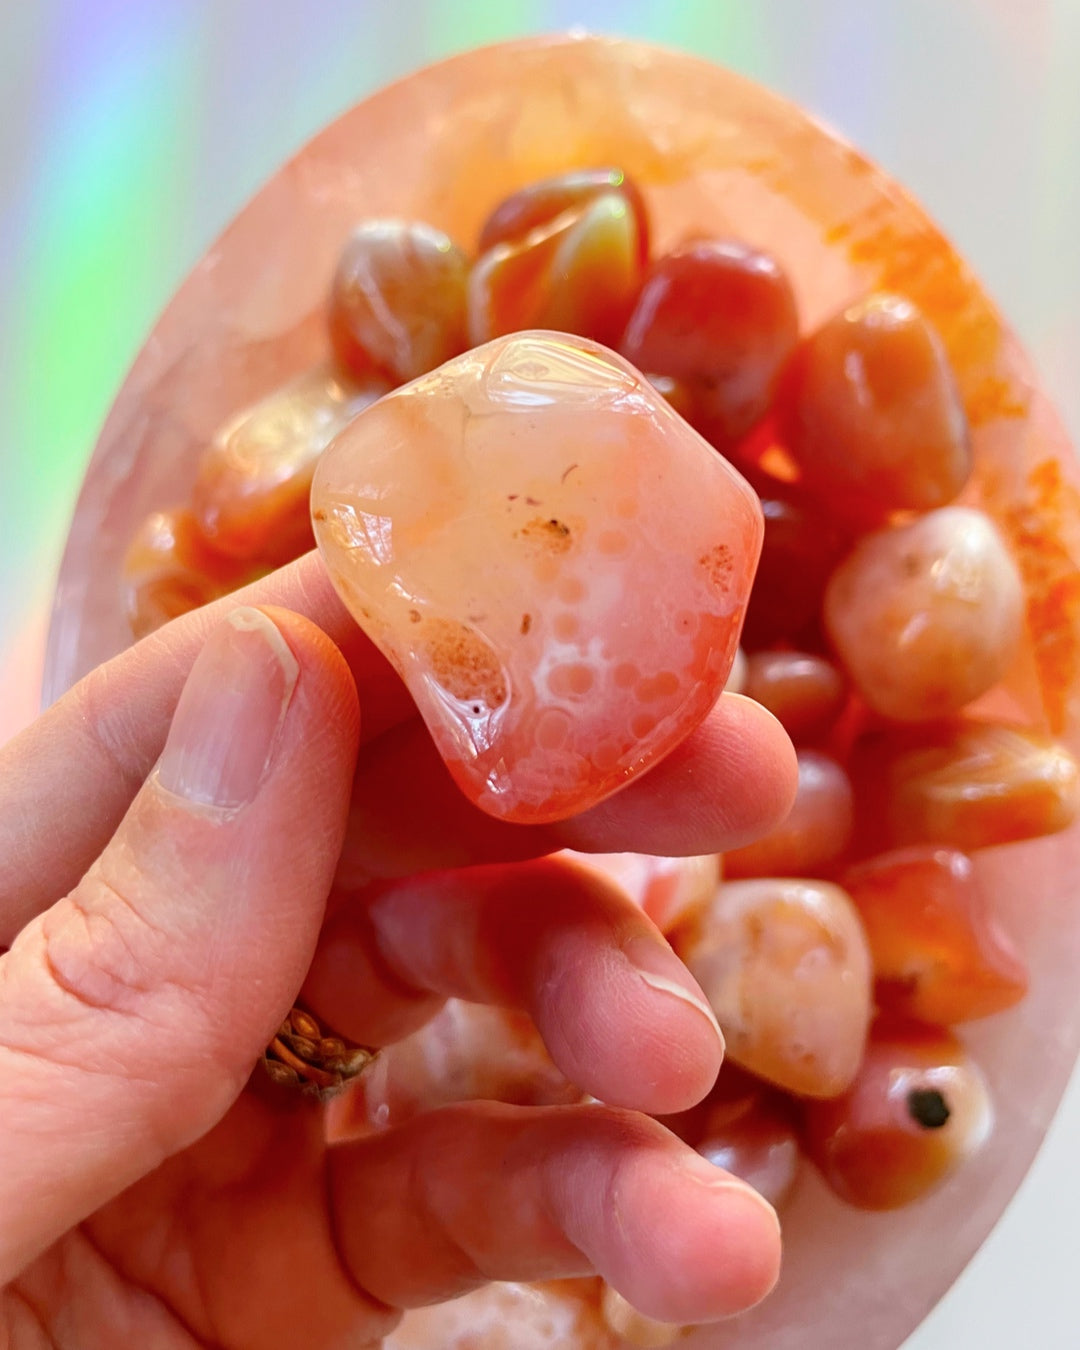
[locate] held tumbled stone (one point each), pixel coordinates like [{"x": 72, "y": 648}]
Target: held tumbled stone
[{"x": 554, "y": 561}]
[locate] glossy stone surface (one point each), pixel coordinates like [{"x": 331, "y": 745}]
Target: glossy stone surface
[
  {"x": 578, "y": 273},
  {"x": 467, "y": 1052},
  {"x": 169, "y": 569},
  {"x": 554, "y": 561},
  {"x": 397, "y": 300},
  {"x": 940, "y": 954},
  {"x": 705, "y": 145},
  {"x": 814, "y": 834},
  {"x": 872, "y": 414},
  {"x": 798, "y": 556},
  {"x": 750, "y": 1131},
  {"x": 917, "y": 1110},
  {"x": 927, "y": 616},
  {"x": 786, "y": 967},
  {"x": 804, "y": 691},
  {"x": 539, "y": 203},
  {"x": 969, "y": 784},
  {"x": 254, "y": 480},
  {"x": 719, "y": 316},
  {"x": 634, "y": 1328}
]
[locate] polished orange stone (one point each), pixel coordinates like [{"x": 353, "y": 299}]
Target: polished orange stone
[
  {"x": 968, "y": 784},
  {"x": 939, "y": 954},
  {"x": 251, "y": 495},
  {"x": 815, "y": 834},
  {"x": 928, "y": 615},
  {"x": 872, "y": 413},
  {"x": 798, "y": 556},
  {"x": 539, "y": 203},
  {"x": 750, "y": 1131},
  {"x": 916, "y": 1111},
  {"x": 467, "y": 1052},
  {"x": 397, "y": 301},
  {"x": 577, "y": 273},
  {"x": 719, "y": 316},
  {"x": 806, "y": 692},
  {"x": 507, "y": 1315},
  {"x": 786, "y": 967},
  {"x": 555, "y": 562},
  {"x": 171, "y": 569}
]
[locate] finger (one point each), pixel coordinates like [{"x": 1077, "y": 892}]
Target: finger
[
  {"x": 83, "y": 761},
  {"x": 730, "y": 781},
  {"x": 484, "y": 1192},
  {"x": 620, "y": 1014},
  {"x": 133, "y": 1010}
]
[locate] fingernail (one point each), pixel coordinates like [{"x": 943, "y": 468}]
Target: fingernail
[
  {"x": 734, "y": 1187},
  {"x": 662, "y": 970},
  {"x": 226, "y": 724},
  {"x": 726, "y": 1183}
]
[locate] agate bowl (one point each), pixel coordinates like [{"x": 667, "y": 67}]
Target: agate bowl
[{"x": 710, "y": 150}]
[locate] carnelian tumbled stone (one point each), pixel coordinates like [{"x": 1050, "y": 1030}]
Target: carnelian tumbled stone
[
  {"x": 814, "y": 834},
  {"x": 939, "y": 955},
  {"x": 579, "y": 273},
  {"x": 507, "y": 1315},
  {"x": 927, "y": 616},
  {"x": 805, "y": 692},
  {"x": 467, "y": 1052},
  {"x": 720, "y": 316},
  {"x": 539, "y": 203},
  {"x": 872, "y": 414},
  {"x": 397, "y": 303},
  {"x": 254, "y": 479},
  {"x": 556, "y": 563},
  {"x": 798, "y": 555},
  {"x": 786, "y": 968},
  {"x": 917, "y": 1109},
  {"x": 632, "y": 1328},
  {"x": 170, "y": 569},
  {"x": 969, "y": 784},
  {"x": 749, "y": 1130}
]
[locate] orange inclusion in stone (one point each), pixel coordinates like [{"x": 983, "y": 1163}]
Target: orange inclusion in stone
[
  {"x": 435, "y": 509},
  {"x": 939, "y": 955}
]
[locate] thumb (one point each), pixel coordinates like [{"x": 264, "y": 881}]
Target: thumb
[{"x": 132, "y": 1011}]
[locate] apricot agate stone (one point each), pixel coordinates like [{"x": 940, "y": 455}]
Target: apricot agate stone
[{"x": 557, "y": 565}]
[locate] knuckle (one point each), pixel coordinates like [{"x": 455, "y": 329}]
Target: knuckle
[{"x": 101, "y": 951}]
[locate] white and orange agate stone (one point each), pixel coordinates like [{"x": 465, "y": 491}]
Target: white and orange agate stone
[{"x": 554, "y": 561}]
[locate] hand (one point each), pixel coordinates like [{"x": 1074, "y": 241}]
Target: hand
[{"x": 170, "y": 833}]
